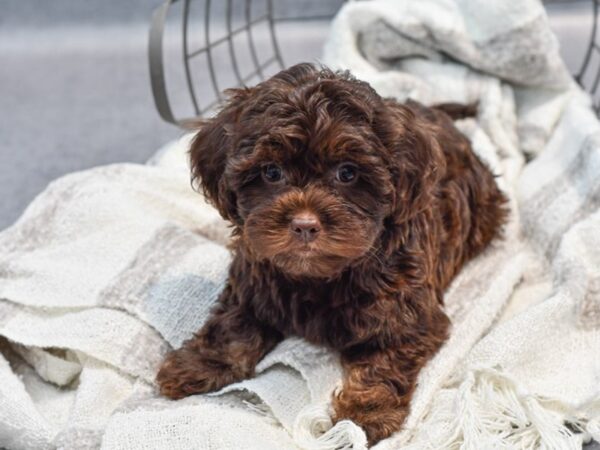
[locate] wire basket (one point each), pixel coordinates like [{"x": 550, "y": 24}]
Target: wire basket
[
  {"x": 235, "y": 43},
  {"x": 588, "y": 75}
]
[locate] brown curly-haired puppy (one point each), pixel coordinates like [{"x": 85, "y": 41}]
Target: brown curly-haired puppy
[{"x": 351, "y": 213}]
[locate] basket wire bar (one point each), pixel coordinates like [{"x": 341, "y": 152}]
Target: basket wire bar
[
  {"x": 597, "y": 79},
  {"x": 251, "y": 41},
  {"x": 236, "y": 69},
  {"x": 211, "y": 65},
  {"x": 186, "y": 56},
  {"x": 274, "y": 42},
  {"x": 258, "y": 68},
  {"x": 157, "y": 74},
  {"x": 593, "y": 47},
  {"x": 588, "y": 54}
]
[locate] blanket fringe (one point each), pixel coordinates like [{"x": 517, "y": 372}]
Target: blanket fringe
[
  {"x": 488, "y": 410},
  {"x": 313, "y": 431}
]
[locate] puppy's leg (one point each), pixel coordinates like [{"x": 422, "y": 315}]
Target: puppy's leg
[
  {"x": 224, "y": 351},
  {"x": 379, "y": 383}
]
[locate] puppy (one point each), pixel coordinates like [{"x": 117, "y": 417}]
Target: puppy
[{"x": 351, "y": 214}]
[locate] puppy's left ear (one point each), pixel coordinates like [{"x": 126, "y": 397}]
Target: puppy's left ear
[
  {"x": 212, "y": 146},
  {"x": 414, "y": 139}
]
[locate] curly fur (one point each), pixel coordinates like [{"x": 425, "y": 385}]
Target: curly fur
[{"x": 371, "y": 284}]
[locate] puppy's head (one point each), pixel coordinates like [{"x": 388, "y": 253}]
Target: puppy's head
[{"x": 313, "y": 167}]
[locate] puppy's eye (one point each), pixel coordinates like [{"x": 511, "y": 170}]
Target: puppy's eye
[
  {"x": 346, "y": 173},
  {"x": 272, "y": 173}
]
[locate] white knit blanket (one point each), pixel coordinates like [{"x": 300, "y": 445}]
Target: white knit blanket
[{"x": 109, "y": 268}]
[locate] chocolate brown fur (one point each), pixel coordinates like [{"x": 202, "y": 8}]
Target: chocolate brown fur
[{"x": 387, "y": 243}]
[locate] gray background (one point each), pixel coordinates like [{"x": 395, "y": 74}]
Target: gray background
[
  {"x": 75, "y": 90},
  {"x": 74, "y": 84}
]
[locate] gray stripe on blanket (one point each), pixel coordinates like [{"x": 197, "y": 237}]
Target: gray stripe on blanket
[
  {"x": 514, "y": 56},
  {"x": 145, "y": 354},
  {"x": 177, "y": 307},
  {"x": 171, "y": 283},
  {"x": 42, "y": 215},
  {"x": 475, "y": 279},
  {"x": 589, "y": 308},
  {"x": 167, "y": 246},
  {"x": 523, "y": 56},
  {"x": 547, "y": 201}
]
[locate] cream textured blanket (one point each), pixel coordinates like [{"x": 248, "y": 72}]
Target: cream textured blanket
[{"x": 109, "y": 268}]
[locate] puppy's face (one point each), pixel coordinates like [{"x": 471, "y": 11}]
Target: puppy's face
[
  {"x": 307, "y": 166},
  {"x": 311, "y": 206}
]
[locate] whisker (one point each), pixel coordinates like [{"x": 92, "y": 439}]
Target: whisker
[
  {"x": 353, "y": 207},
  {"x": 372, "y": 251}
]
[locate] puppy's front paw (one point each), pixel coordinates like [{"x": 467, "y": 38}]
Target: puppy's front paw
[
  {"x": 185, "y": 372},
  {"x": 377, "y": 420}
]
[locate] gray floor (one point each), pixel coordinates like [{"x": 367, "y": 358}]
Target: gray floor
[
  {"x": 74, "y": 84},
  {"x": 75, "y": 92}
]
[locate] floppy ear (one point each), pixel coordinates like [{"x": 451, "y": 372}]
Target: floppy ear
[
  {"x": 418, "y": 162},
  {"x": 211, "y": 148}
]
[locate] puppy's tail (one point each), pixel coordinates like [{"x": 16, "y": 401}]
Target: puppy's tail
[{"x": 458, "y": 111}]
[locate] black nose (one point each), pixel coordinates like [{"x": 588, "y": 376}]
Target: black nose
[{"x": 305, "y": 226}]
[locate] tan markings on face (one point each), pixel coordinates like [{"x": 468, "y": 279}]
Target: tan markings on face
[{"x": 343, "y": 236}]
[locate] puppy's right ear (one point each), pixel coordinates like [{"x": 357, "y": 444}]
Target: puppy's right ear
[{"x": 211, "y": 148}]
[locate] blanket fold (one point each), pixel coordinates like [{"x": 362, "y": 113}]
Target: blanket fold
[{"x": 110, "y": 268}]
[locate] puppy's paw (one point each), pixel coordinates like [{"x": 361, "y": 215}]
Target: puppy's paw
[
  {"x": 185, "y": 373},
  {"x": 377, "y": 421}
]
